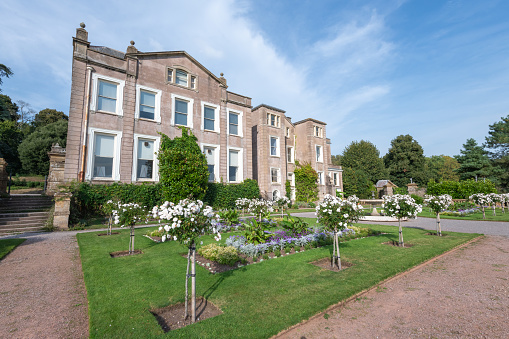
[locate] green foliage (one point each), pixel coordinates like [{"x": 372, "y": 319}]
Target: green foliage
[
  {"x": 33, "y": 150},
  {"x": 400, "y": 190},
  {"x": 223, "y": 196},
  {"x": 442, "y": 167},
  {"x": 295, "y": 225},
  {"x": 183, "y": 169},
  {"x": 356, "y": 182},
  {"x": 336, "y": 160},
  {"x": 305, "y": 183},
  {"x": 474, "y": 161},
  {"x": 87, "y": 200},
  {"x": 229, "y": 217},
  {"x": 48, "y": 116},
  {"x": 255, "y": 231},
  {"x": 10, "y": 139},
  {"x": 225, "y": 255},
  {"x": 405, "y": 160},
  {"x": 363, "y": 156},
  {"x": 4, "y": 72},
  {"x": 288, "y": 189},
  {"x": 418, "y": 199},
  {"x": 8, "y": 109},
  {"x": 498, "y": 139},
  {"x": 462, "y": 189}
]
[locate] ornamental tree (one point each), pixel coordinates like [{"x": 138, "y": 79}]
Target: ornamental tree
[
  {"x": 482, "y": 200},
  {"x": 185, "y": 222},
  {"x": 127, "y": 215},
  {"x": 438, "y": 204},
  {"x": 336, "y": 214},
  {"x": 183, "y": 171},
  {"x": 400, "y": 206},
  {"x": 495, "y": 198},
  {"x": 260, "y": 207},
  {"x": 281, "y": 202}
]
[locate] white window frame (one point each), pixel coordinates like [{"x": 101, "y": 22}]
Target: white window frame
[
  {"x": 292, "y": 180},
  {"x": 319, "y": 158},
  {"x": 95, "y": 92},
  {"x": 287, "y": 132},
  {"x": 240, "y": 176},
  {"x": 217, "y": 150},
  {"x": 289, "y": 150},
  {"x": 320, "y": 177},
  {"x": 190, "y": 109},
  {"x": 335, "y": 178},
  {"x": 278, "y": 175},
  {"x": 217, "y": 123},
  {"x": 155, "y": 167},
  {"x": 277, "y": 146},
  {"x": 240, "y": 125},
  {"x": 318, "y": 131},
  {"x": 115, "y": 173},
  {"x": 278, "y": 195},
  {"x": 157, "y": 110},
  {"x": 277, "y": 120}
]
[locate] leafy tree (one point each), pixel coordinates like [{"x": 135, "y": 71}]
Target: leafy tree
[
  {"x": 356, "y": 182},
  {"x": 25, "y": 114},
  {"x": 183, "y": 168},
  {"x": 48, "y": 116},
  {"x": 442, "y": 167},
  {"x": 474, "y": 161},
  {"x": 305, "y": 183},
  {"x": 4, "y": 72},
  {"x": 364, "y": 156},
  {"x": 33, "y": 151},
  {"x": 8, "y": 109},
  {"x": 10, "y": 138},
  {"x": 336, "y": 160},
  {"x": 498, "y": 148},
  {"x": 404, "y": 160}
]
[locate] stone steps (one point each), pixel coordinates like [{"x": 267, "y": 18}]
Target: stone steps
[{"x": 24, "y": 213}]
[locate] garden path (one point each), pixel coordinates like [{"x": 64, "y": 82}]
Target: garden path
[
  {"x": 42, "y": 292},
  {"x": 453, "y": 225},
  {"x": 462, "y": 294}
]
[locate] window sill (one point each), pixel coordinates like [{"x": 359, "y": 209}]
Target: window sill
[
  {"x": 275, "y": 156},
  {"x": 211, "y": 131},
  {"x": 147, "y": 120},
  {"x": 235, "y": 135},
  {"x": 109, "y": 113},
  {"x": 181, "y": 86}
]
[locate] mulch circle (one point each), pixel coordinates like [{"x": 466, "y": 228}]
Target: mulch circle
[
  {"x": 435, "y": 234},
  {"x": 396, "y": 244},
  {"x": 325, "y": 264},
  {"x": 172, "y": 317},
  {"x": 124, "y": 253},
  {"x": 112, "y": 233}
]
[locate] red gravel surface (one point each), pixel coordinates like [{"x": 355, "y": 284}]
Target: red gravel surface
[
  {"x": 42, "y": 293},
  {"x": 464, "y": 294}
]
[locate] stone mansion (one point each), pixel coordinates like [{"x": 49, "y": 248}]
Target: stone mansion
[{"x": 120, "y": 101}]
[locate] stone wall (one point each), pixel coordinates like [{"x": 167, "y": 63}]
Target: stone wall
[
  {"x": 414, "y": 189},
  {"x": 56, "y": 169}
]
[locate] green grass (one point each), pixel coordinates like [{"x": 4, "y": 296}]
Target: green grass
[
  {"x": 475, "y": 216},
  {"x": 8, "y": 245},
  {"x": 257, "y": 301}
]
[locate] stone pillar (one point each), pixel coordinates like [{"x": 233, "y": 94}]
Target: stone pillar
[
  {"x": 4, "y": 177},
  {"x": 412, "y": 188},
  {"x": 56, "y": 169},
  {"x": 62, "y": 210}
]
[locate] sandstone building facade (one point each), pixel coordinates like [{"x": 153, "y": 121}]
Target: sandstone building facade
[{"x": 120, "y": 101}]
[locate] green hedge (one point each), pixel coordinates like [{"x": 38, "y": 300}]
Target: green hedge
[
  {"x": 221, "y": 195},
  {"x": 87, "y": 199},
  {"x": 460, "y": 189}
]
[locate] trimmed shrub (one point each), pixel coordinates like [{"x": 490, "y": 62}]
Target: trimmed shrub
[
  {"x": 223, "y": 196},
  {"x": 460, "y": 189}
]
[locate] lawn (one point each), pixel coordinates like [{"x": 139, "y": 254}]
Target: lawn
[
  {"x": 475, "y": 216},
  {"x": 257, "y": 301},
  {"x": 8, "y": 245}
]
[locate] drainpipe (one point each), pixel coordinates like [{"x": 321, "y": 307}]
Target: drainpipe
[{"x": 85, "y": 125}]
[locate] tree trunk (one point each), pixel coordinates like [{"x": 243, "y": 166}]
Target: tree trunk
[
  {"x": 110, "y": 222},
  {"x": 483, "y": 212},
  {"x": 494, "y": 212},
  {"x": 337, "y": 251},
  {"x": 193, "y": 283},
  {"x": 187, "y": 284},
  {"x": 131, "y": 240},
  {"x": 439, "y": 228},
  {"x": 282, "y": 211},
  {"x": 401, "y": 243},
  {"x": 333, "y": 261}
]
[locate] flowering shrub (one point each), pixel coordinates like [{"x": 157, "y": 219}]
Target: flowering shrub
[
  {"x": 224, "y": 255},
  {"x": 260, "y": 207},
  {"x": 186, "y": 220},
  {"x": 242, "y": 203},
  {"x": 482, "y": 200},
  {"x": 336, "y": 213},
  {"x": 127, "y": 214},
  {"x": 438, "y": 203},
  {"x": 400, "y": 206}
]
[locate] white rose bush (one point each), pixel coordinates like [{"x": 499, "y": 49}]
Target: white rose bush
[
  {"x": 260, "y": 207},
  {"x": 281, "y": 203},
  {"x": 400, "y": 206},
  {"x": 336, "y": 214},
  {"x": 495, "y": 198},
  {"x": 127, "y": 215},
  {"x": 482, "y": 200},
  {"x": 185, "y": 222},
  {"x": 438, "y": 204}
]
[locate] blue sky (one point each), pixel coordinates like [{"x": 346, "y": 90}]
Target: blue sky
[{"x": 372, "y": 70}]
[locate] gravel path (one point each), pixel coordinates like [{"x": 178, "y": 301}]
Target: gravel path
[
  {"x": 42, "y": 292},
  {"x": 465, "y": 226},
  {"x": 463, "y": 294}
]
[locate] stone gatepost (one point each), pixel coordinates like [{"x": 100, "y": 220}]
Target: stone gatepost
[
  {"x": 4, "y": 177},
  {"x": 413, "y": 188},
  {"x": 62, "y": 210},
  {"x": 56, "y": 169}
]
